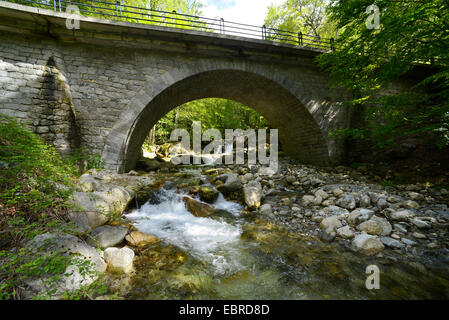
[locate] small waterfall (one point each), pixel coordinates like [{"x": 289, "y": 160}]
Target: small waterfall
[{"x": 207, "y": 239}]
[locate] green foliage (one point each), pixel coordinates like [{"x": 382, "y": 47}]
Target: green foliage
[
  {"x": 35, "y": 183},
  {"x": 368, "y": 60},
  {"x": 108, "y": 9},
  {"x": 307, "y": 16},
  {"x": 85, "y": 161},
  {"x": 34, "y": 178},
  {"x": 213, "y": 113}
]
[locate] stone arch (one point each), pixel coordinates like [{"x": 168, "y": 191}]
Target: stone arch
[{"x": 260, "y": 88}]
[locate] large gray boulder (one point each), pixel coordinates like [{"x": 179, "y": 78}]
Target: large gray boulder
[
  {"x": 106, "y": 236},
  {"x": 94, "y": 209},
  {"x": 83, "y": 270},
  {"x": 119, "y": 260}
]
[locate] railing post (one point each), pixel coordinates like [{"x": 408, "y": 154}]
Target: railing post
[
  {"x": 264, "y": 32},
  {"x": 173, "y": 19},
  {"x": 300, "y": 38},
  {"x": 54, "y": 5},
  {"x": 59, "y": 5},
  {"x": 332, "y": 44},
  {"x": 222, "y": 26}
]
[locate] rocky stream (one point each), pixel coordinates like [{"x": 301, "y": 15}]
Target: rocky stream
[{"x": 239, "y": 232}]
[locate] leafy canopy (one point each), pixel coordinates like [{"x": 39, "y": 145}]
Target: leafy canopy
[
  {"x": 307, "y": 16},
  {"x": 367, "y": 60}
]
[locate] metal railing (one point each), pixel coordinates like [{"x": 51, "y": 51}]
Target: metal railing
[{"x": 117, "y": 10}]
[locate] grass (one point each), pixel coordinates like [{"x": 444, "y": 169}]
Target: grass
[{"x": 35, "y": 185}]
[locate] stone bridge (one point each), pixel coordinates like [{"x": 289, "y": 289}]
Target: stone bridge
[{"x": 105, "y": 85}]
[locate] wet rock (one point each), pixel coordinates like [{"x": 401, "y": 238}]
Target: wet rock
[
  {"x": 345, "y": 232},
  {"x": 208, "y": 194},
  {"x": 391, "y": 243},
  {"x": 119, "y": 260},
  {"x": 367, "y": 244},
  {"x": 198, "y": 209},
  {"x": 347, "y": 201},
  {"x": 106, "y": 236},
  {"x": 401, "y": 215},
  {"x": 140, "y": 239},
  {"x": 252, "y": 194},
  {"x": 330, "y": 223}
]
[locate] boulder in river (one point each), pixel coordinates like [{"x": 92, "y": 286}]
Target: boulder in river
[
  {"x": 197, "y": 208},
  {"x": 140, "y": 239},
  {"x": 106, "y": 236},
  {"x": 119, "y": 260},
  {"x": 252, "y": 194},
  {"x": 208, "y": 194},
  {"x": 231, "y": 183}
]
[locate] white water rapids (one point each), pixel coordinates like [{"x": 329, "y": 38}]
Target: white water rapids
[{"x": 209, "y": 240}]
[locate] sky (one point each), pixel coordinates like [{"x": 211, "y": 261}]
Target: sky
[{"x": 244, "y": 11}]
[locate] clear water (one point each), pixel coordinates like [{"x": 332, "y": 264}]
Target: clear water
[{"x": 239, "y": 256}]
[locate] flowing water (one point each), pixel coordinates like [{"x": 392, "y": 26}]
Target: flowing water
[{"x": 235, "y": 255}]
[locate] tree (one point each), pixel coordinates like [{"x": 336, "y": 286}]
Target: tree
[
  {"x": 368, "y": 59},
  {"x": 307, "y": 16},
  {"x": 213, "y": 113}
]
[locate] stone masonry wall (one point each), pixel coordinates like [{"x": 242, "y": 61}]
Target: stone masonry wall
[{"x": 105, "y": 96}]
